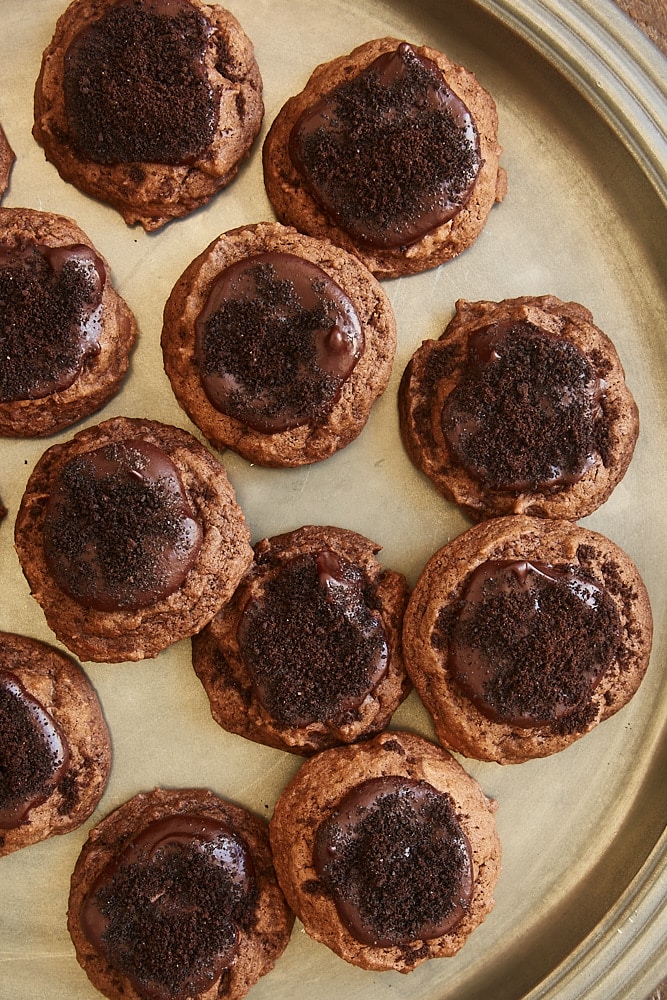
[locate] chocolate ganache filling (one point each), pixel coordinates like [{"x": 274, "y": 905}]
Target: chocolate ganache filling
[
  {"x": 529, "y": 643},
  {"x": 528, "y": 412},
  {"x": 166, "y": 912},
  {"x": 34, "y": 754},
  {"x": 312, "y": 643},
  {"x": 50, "y": 313},
  {"x": 119, "y": 532},
  {"x": 136, "y": 87},
  {"x": 391, "y": 154},
  {"x": 396, "y": 862},
  {"x": 275, "y": 342}
]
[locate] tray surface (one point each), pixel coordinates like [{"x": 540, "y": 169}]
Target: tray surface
[{"x": 579, "y": 905}]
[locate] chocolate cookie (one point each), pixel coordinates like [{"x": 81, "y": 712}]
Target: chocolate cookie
[
  {"x": 391, "y": 152},
  {"x": 387, "y": 851},
  {"x": 523, "y": 634},
  {"x": 7, "y": 158},
  {"x": 130, "y": 538},
  {"x": 277, "y": 345},
  {"x": 55, "y": 750},
  {"x": 174, "y": 896},
  {"x": 65, "y": 333},
  {"x": 520, "y": 407},
  {"x": 307, "y": 654},
  {"x": 149, "y": 105}
]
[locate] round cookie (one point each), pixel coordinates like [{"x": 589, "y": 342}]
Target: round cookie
[
  {"x": 7, "y": 158},
  {"x": 307, "y": 654},
  {"x": 68, "y": 349},
  {"x": 387, "y": 851},
  {"x": 174, "y": 895},
  {"x": 397, "y": 164},
  {"x": 523, "y": 634},
  {"x": 55, "y": 749},
  {"x": 277, "y": 345},
  {"x": 521, "y": 407},
  {"x": 157, "y": 134},
  {"x": 130, "y": 537}
]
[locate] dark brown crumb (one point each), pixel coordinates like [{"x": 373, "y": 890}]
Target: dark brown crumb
[{"x": 157, "y": 107}]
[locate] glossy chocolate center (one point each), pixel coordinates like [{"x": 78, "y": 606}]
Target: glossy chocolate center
[
  {"x": 391, "y": 154},
  {"x": 50, "y": 315},
  {"x": 275, "y": 342},
  {"x": 166, "y": 912},
  {"x": 34, "y": 754},
  {"x": 527, "y": 413},
  {"x": 396, "y": 862},
  {"x": 312, "y": 643},
  {"x": 135, "y": 85},
  {"x": 530, "y": 642},
  {"x": 119, "y": 532}
]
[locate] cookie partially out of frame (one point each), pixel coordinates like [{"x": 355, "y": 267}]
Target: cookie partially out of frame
[
  {"x": 387, "y": 851},
  {"x": 523, "y": 634},
  {"x": 521, "y": 407},
  {"x": 400, "y": 166},
  {"x": 130, "y": 537},
  {"x": 307, "y": 654},
  {"x": 55, "y": 750},
  {"x": 277, "y": 345},
  {"x": 65, "y": 333},
  {"x": 174, "y": 895},
  {"x": 149, "y": 107},
  {"x": 7, "y": 158}
]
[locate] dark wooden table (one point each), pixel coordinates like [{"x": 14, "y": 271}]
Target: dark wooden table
[{"x": 651, "y": 16}]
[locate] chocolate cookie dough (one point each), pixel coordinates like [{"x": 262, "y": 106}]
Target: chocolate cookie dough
[
  {"x": 7, "y": 158},
  {"x": 65, "y": 333},
  {"x": 278, "y": 345},
  {"x": 174, "y": 897},
  {"x": 149, "y": 105},
  {"x": 307, "y": 654},
  {"x": 523, "y": 634},
  {"x": 55, "y": 749},
  {"x": 130, "y": 538},
  {"x": 387, "y": 851},
  {"x": 392, "y": 153},
  {"x": 520, "y": 407}
]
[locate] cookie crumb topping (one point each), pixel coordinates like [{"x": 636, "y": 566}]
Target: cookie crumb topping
[{"x": 391, "y": 154}]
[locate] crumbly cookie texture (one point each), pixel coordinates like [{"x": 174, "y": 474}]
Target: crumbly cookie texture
[
  {"x": 437, "y": 600},
  {"x": 153, "y": 191},
  {"x": 219, "y": 661},
  {"x": 223, "y": 556},
  {"x": 7, "y": 158},
  {"x": 438, "y": 369},
  {"x": 102, "y": 371},
  {"x": 294, "y": 204},
  {"x": 57, "y": 684},
  {"x": 307, "y": 442},
  {"x": 263, "y": 931},
  {"x": 313, "y": 797}
]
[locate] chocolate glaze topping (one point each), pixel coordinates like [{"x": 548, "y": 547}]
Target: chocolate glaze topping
[
  {"x": 396, "y": 862},
  {"x": 119, "y": 532},
  {"x": 391, "y": 154},
  {"x": 50, "y": 312},
  {"x": 275, "y": 342},
  {"x": 528, "y": 413},
  {"x": 312, "y": 643},
  {"x": 135, "y": 85},
  {"x": 34, "y": 754},
  {"x": 166, "y": 912},
  {"x": 529, "y": 643}
]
